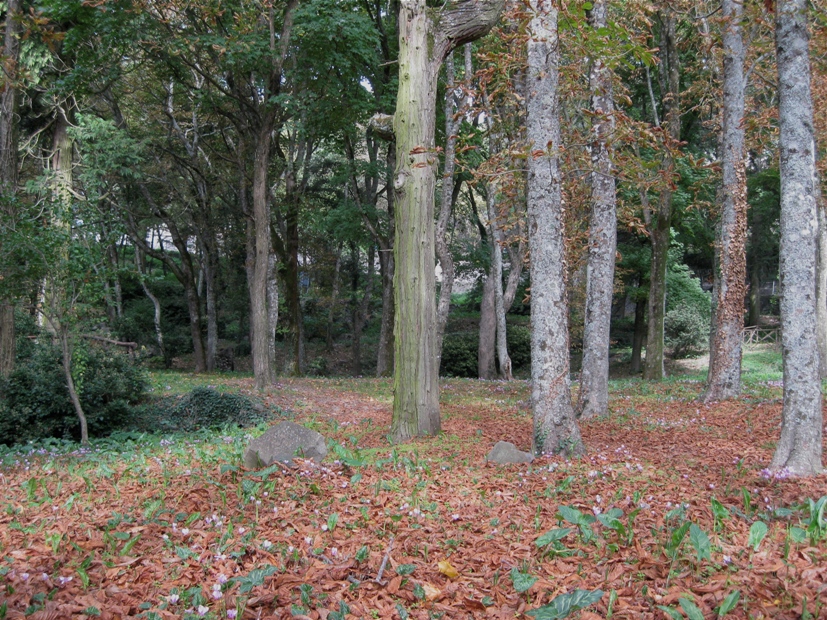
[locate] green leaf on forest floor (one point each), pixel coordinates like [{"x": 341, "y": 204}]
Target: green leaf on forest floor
[
  {"x": 690, "y": 609},
  {"x": 757, "y": 532},
  {"x": 552, "y": 536},
  {"x": 729, "y": 603},
  {"x": 522, "y": 581},
  {"x": 566, "y": 604},
  {"x": 700, "y": 542}
]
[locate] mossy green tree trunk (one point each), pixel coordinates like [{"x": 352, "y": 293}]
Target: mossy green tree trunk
[{"x": 426, "y": 35}]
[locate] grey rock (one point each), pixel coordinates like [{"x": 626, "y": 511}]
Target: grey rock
[
  {"x": 282, "y": 442},
  {"x": 505, "y": 452}
]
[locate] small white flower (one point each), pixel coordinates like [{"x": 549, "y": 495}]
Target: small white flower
[
  {"x": 222, "y": 578},
  {"x": 173, "y": 599},
  {"x": 202, "y": 610},
  {"x": 185, "y": 531},
  {"x": 454, "y": 517}
]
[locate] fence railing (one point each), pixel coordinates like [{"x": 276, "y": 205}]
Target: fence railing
[{"x": 762, "y": 335}]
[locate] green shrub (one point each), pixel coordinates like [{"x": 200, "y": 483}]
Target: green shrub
[
  {"x": 203, "y": 407},
  {"x": 685, "y": 331},
  {"x": 519, "y": 346},
  {"x": 460, "y": 351},
  {"x": 459, "y": 355},
  {"x": 34, "y": 400}
]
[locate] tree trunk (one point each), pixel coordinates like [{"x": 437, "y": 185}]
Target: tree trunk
[
  {"x": 334, "y": 300},
  {"x": 425, "y": 38},
  {"x": 66, "y": 354},
  {"x": 384, "y": 359},
  {"x": 593, "y": 397},
  {"x": 821, "y": 282},
  {"x": 9, "y": 98},
  {"x": 159, "y": 334},
  {"x": 272, "y": 308},
  {"x": 496, "y": 277},
  {"x": 724, "y": 377},
  {"x": 294, "y": 362},
  {"x": 259, "y": 314},
  {"x": 799, "y": 450},
  {"x": 754, "y": 317},
  {"x": 639, "y": 334},
  {"x": 662, "y": 222},
  {"x": 486, "y": 349},
  {"x": 555, "y": 427},
  {"x": 443, "y": 251}
]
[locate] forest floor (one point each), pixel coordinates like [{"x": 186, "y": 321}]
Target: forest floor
[{"x": 671, "y": 514}]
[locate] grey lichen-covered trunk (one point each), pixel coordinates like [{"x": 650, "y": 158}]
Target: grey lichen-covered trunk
[
  {"x": 555, "y": 427},
  {"x": 662, "y": 220},
  {"x": 486, "y": 360},
  {"x": 425, "y": 37},
  {"x": 821, "y": 282},
  {"x": 799, "y": 449},
  {"x": 593, "y": 398},
  {"x": 724, "y": 377}
]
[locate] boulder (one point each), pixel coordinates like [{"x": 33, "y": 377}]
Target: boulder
[
  {"x": 505, "y": 452},
  {"x": 282, "y": 442}
]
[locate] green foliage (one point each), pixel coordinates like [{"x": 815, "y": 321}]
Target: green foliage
[
  {"x": 203, "y": 407},
  {"x": 34, "y": 400},
  {"x": 522, "y": 581},
  {"x": 460, "y": 351},
  {"x": 565, "y": 604},
  {"x": 688, "y": 312}
]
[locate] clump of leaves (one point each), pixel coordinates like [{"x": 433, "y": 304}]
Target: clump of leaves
[
  {"x": 564, "y": 605},
  {"x": 203, "y": 407}
]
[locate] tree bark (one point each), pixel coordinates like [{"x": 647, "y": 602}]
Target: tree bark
[
  {"x": 639, "y": 334},
  {"x": 425, "y": 37},
  {"x": 486, "y": 350},
  {"x": 555, "y": 427},
  {"x": 799, "y": 450},
  {"x": 443, "y": 252},
  {"x": 593, "y": 397},
  {"x": 496, "y": 277},
  {"x": 662, "y": 220},
  {"x": 66, "y": 355},
  {"x": 259, "y": 313},
  {"x": 159, "y": 334},
  {"x": 724, "y": 375},
  {"x": 821, "y": 281}
]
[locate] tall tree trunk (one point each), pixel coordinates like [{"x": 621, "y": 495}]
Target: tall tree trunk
[
  {"x": 272, "y": 307},
  {"x": 159, "y": 334},
  {"x": 639, "y": 334},
  {"x": 425, "y": 38},
  {"x": 555, "y": 427},
  {"x": 334, "y": 300},
  {"x": 496, "y": 277},
  {"x": 799, "y": 449},
  {"x": 754, "y": 317},
  {"x": 446, "y": 206},
  {"x": 593, "y": 398},
  {"x": 821, "y": 281},
  {"x": 294, "y": 362},
  {"x": 9, "y": 97},
  {"x": 662, "y": 220},
  {"x": 384, "y": 359},
  {"x": 724, "y": 376},
  {"x": 66, "y": 356},
  {"x": 486, "y": 359},
  {"x": 259, "y": 314}
]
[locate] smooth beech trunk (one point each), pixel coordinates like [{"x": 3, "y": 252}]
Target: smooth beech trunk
[
  {"x": 724, "y": 377},
  {"x": 593, "y": 397},
  {"x": 426, "y": 35},
  {"x": 662, "y": 218},
  {"x": 555, "y": 427},
  {"x": 799, "y": 450}
]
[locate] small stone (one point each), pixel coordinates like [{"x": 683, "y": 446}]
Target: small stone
[
  {"x": 281, "y": 443},
  {"x": 505, "y": 452}
]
